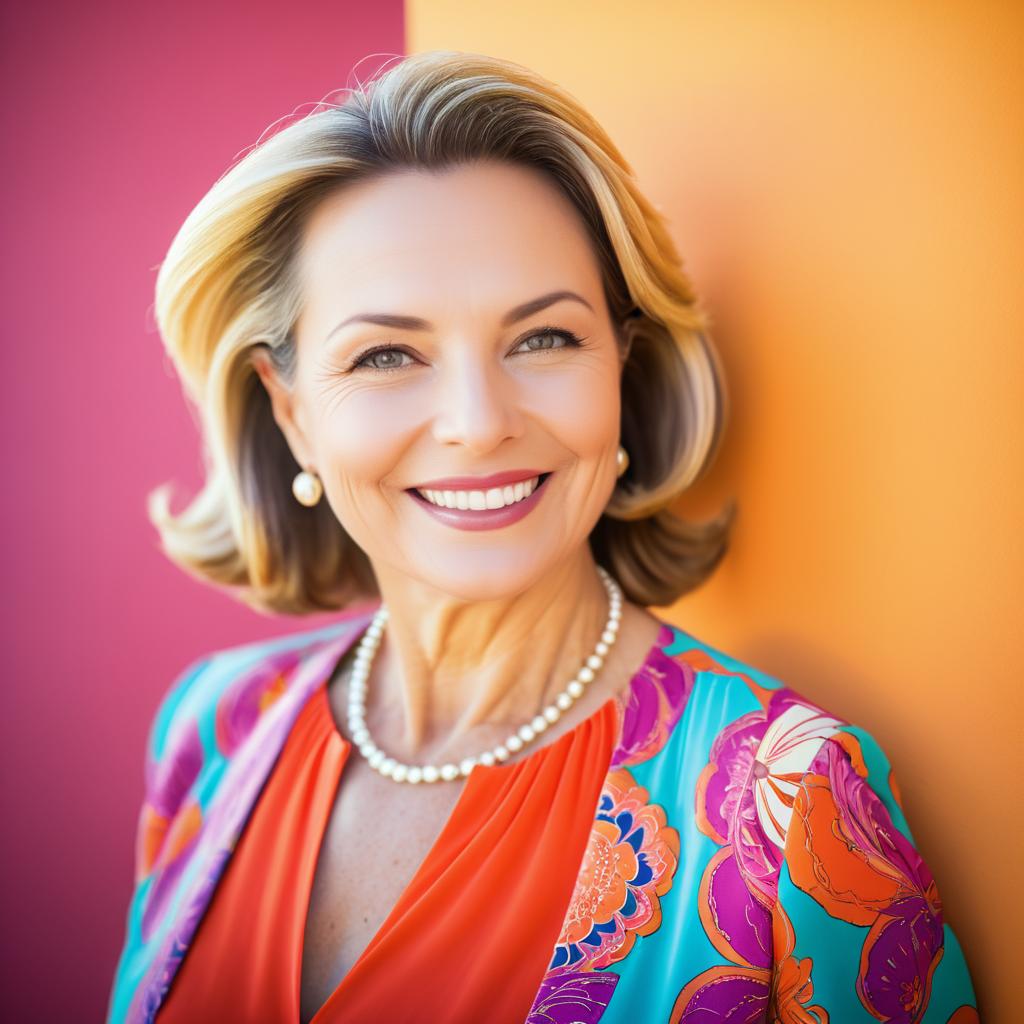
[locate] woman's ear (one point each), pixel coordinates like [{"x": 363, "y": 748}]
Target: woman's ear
[{"x": 287, "y": 413}]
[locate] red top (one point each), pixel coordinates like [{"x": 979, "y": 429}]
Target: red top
[{"x": 470, "y": 937}]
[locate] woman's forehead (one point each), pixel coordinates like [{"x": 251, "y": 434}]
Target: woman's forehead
[{"x": 458, "y": 230}]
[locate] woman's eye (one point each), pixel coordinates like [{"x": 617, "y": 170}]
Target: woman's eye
[
  {"x": 567, "y": 337},
  {"x": 383, "y": 359}
]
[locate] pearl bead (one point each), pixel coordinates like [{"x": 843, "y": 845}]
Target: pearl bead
[
  {"x": 552, "y": 714},
  {"x": 526, "y": 733},
  {"x": 431, "y": 773},
  {"x": 601, "y": 648},
  {"x": 501, "y": 753},
  {"x": 564, "y": 701},
  {"x": 514, "y": 743},
  {"x": 585, "y": 675},
  {"x": 360, "y": 736},
  {"x": 575, "y": 688},
  {"x": 595, "y": 662},
  {"x": 539, "y": 724},
  {"x": 399, "y": 772},
  {"x": 375, "y": 758},
  {"x": 449, "y": 772},
  {"x": 486, "y": 758},
  {"x": 414, "y": 775},
  {"x": 466, "y": 765},
  {"x": 367, "y": 747},
  {"x": 607, "y": 637},
  {"x": 387, "y": 766}
]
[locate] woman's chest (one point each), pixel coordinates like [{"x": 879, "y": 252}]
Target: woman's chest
[{"x": 378, "y": 835}]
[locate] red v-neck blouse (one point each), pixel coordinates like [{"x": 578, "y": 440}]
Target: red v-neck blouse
[{"x": 471, "y": 936}]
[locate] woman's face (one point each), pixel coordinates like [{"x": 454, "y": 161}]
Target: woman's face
[{"x": 454, "y": 325}]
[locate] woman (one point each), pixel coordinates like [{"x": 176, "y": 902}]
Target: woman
[{"x": 452, "y": 378}]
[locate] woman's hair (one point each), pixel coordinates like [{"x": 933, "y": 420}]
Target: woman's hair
[{"x": 229, "y": 283}]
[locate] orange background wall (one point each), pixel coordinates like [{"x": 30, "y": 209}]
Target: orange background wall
[{"x": 844, "y": 182}]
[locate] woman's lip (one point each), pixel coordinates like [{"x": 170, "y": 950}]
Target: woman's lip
[
  {"x": 486, "y": 518},
  {"x": 480, "y": 483}
]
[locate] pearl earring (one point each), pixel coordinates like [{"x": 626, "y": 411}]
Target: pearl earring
[
  {"x": 307, "y": 488},
  {"x": 622, "y": 457}
]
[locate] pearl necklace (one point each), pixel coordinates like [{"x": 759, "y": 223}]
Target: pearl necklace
[{"x": 392, "y": 769}]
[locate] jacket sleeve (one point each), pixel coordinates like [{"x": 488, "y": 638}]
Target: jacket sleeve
[
  {"x": 170, "y": 767},
  {"x": 858, "y": 929},
  {"x": 172, "y": 761}
]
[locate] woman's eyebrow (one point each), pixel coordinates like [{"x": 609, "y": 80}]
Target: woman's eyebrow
[{"x": 415, "y": 323}]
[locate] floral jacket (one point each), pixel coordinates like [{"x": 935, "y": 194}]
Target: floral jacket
[{"x": 763, "y": 869}]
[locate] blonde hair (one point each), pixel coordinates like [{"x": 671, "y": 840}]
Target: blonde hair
[{"x": 228, "y": 283}]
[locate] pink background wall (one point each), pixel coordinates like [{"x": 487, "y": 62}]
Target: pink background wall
[{"x": 117, "y": 118}]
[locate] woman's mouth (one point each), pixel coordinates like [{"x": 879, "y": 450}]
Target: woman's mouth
[{"x": 489, "y": 509}]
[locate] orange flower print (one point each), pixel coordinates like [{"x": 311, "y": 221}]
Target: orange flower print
[
  {"x": 629, "y": 863},
  {"x": 844, "y": 851}
]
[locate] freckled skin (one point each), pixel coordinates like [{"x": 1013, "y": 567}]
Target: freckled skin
[{"x": 485, "y": 626}]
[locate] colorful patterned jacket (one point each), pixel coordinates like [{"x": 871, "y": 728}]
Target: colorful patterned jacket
[{"x": 764, "y": 869}]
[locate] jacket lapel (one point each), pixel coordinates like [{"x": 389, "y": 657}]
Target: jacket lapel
[{"x": 229, "y": 810}]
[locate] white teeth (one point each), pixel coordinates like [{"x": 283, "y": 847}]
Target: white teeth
[{"x": 494, "y": 497}]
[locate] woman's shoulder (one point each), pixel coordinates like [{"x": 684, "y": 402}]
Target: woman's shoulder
[
  {"x": 807, "y": 850},
  {"x": 742, "y": 721},
  {"x": 205, "y": 682},
  {"x": 215, "y": 701}
]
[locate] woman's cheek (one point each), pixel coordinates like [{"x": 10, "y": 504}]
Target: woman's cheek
[
  {"x": 584, "y": 411},
  {"x": 366, "y": 434}
]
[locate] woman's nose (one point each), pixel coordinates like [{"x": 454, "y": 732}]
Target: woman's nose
[{"x": 477, "y": 406}]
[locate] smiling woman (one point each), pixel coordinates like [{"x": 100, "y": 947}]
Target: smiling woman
[{"x": 452, "y": 379}]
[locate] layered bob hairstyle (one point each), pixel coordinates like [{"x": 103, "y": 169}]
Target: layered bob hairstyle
[{"x": 228, "y": 284}]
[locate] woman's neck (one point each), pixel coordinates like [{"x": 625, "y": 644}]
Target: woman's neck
[{"x": 446, "y": 668}]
